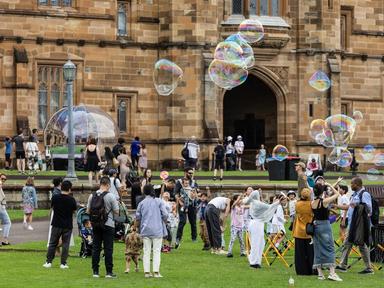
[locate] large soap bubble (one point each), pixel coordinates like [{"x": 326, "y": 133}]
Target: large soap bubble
[
  {"x": 88, "y": 122},
  {"x": 248, "y": 56},
  {"x": 368, "y": 152},
  {"x": 227, "y": 75},
  {"x": 280, "y": 152},
  {"x": 340, "y": 157},
  {"x": 343, "y": 129},
  {"x": 166, "y": 76},
  {"x": 317, "y": 127},
  {"x": 320, "y": 81},
  {"x": 229, "y": 51},
  {"x": 379, "y": 159},
  {"x": 373, "y": 174},
  {"x": 358, "y": 116},
  {"x": 251, "y": 30}
]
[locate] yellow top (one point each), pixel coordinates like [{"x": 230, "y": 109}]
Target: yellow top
[{"x": 304, "y": 215}]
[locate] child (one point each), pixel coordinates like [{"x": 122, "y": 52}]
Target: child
[
  {"x": 291, "y": 206},
  {"x": 222, "y": 228},
  {"x": 168, "y": 206},
  {"x": 29, "y": 197},
  {"x": 173, "y": 223},
  {"x": 343, "y": 204},
  {"x": 185, "y": 193},
  {"x": 237, "y": 223},
  {"x": 203, "y": 202},
  {"x": 87, "y": 231},
  {"x": 278, "y": 221},
  {"x": 133, "y": 246}
]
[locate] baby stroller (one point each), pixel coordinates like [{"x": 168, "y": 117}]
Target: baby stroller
[{"x": 85, "y": 232}]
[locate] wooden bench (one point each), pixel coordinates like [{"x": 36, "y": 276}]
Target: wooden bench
[{"x": 377, "y": 191}]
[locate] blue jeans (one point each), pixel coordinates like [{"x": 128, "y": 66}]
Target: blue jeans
[{"x": 4, "y": 218}]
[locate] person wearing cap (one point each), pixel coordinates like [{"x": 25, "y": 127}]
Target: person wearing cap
[
  {"x": 292, "y": 204},
  {"x": 239, "y": 148},
  {"x": 303, "y": 248},
  {"x": 230, "y": 154},
  {"x": 301, "y": 177},
  {"x": 116, "y": 185}
]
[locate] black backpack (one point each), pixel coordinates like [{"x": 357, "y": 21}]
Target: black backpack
[
  {"x": 185, "y": 152},
  {"x": 375, "y": 209},
  {"x": 97, "y": 212}
]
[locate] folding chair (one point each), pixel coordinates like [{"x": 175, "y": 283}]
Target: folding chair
[
  {"x": 272, "y": 247},
  {"x": 248, "y": 248}
]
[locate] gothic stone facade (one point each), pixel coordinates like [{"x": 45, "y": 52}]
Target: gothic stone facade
[{"x": 116, "y": 43}]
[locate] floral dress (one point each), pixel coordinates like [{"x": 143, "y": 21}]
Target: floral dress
[{"x": 28, "y": 194}]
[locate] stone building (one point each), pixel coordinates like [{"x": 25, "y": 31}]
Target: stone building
[{"x": 116, "y": 43}]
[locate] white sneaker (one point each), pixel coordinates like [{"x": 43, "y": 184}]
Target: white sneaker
[
  {"x": 25, "y": 225},
  {"x": 47, "y": 265},
  {"x": 30, "y": 228},
  {"x": 64, "y": 266},
  {"x": 221, "y": 252},
  {"x": 148, "y": 275},
  {"x": 335, "y": 277},
  {"x": 157, "y": 275}
]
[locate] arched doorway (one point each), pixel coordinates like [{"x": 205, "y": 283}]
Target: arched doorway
[{"x": 250, "y": 110}]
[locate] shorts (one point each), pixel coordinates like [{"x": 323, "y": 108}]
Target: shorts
[
  {"x": 191, "y": 162},
  {"x": 8, "y": 157},
  {"x": 20, "y": 155},
  {"x": 219, "y": 164}
]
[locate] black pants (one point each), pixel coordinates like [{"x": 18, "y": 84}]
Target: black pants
[
  {"x": 212, "y": 218},
  {"x": 303, "y": 257},
  {"x": 135, "y": 160},
  {"x": 183, "y": 220},
  {"x": 65, "y": 235},
  {"x": 103, "y": 235}
]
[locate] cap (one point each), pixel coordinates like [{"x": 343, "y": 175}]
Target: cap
[
  {"x": 319, "y": 177},
  {"x": 301, "y": 164},
  {"x": 291, "y": 192},
  {"x": 239, "y": 137},
  {"x": 229, "y": 138},
  {"x": 112, "y": 171}
]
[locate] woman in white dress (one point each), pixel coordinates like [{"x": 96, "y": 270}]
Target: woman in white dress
[{"x": 260, "y": 213}]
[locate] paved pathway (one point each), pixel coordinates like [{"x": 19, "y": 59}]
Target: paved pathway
[{"x": 20, "y": 235}]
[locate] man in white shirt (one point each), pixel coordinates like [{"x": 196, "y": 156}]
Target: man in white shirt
[
  {"x": 239, "y": 147},
  {"x": 194, "y": 150},
  {"x": 115, "y": 183}
]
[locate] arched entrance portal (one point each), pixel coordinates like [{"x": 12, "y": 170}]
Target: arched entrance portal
[{"x": 250, "y": 110}]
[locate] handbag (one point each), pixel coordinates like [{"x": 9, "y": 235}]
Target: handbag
[
  {"x": 310, "y": 229},
  {"x": 115, "y": 162}
]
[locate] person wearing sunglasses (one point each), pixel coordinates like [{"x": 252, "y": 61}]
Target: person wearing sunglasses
[{"x": 4, "y": 217}]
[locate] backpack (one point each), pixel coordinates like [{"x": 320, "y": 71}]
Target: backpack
[
  {"x": 185, "y": 152},
  {"x": 375, "y": 209},
  {"x": 97, "y": 213},
  {"x": 123, "y": 216}
]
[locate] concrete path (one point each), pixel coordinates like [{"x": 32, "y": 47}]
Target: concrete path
[{"x": 20, "y": 235}]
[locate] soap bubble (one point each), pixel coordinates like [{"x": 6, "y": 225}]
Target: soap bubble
[
  {"x": 248, "y": 56},
  {"x": 379, "y": 159},
  {"x": 280, "y": 152},
  {"x": 373, "y": 174},
  {"x": 227, "y": 75},
  {"x": 317, "y": 127},
  {"x": 166, "y": 76},
  {"x": 251, "y": 30},
  {"x": 340, "y": 157},
  {"x": 88, "y": 122},
  {"x": 229, "y": 51},
  {"x": 320, "y": 81},
  {"x": 343, "y": 129},
  {"x": 358, "y": 116},
  {"x": 368, "y": 152}
]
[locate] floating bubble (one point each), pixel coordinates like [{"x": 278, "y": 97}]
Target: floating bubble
[
  {"x": 373, "y": 174},
  {"x": 248, "y": 55},
  {"x": 229, "y": 51},
  {"x": 343, "y": 129},
  {"x": 379, "y": 159},
  {"x": 166, "y": 76},
  {"x": 368, "y": 152},
  {"x": 251, "y": 30},
  {"x": 358, "y": 116},
  {"x": 164, "y": 175},
  {"x": 317, "y": 127},
  {"x": 340, "y": 157},
  {"x": 227, "y": 75},
  {"x": 280, "y": 152},
  {"x": 320, "y": 81}
]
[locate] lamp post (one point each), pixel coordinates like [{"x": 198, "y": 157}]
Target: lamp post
[{"x": 69, "y": 70}]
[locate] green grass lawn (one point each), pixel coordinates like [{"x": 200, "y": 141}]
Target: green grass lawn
[
  {"x": 187, "y": 267},
  {"x": 17, "y": 215}
]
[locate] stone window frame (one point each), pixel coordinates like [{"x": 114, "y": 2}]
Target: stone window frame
[
  {"x": 61, "y": 3},
  {"x": 49, "y": 75},
  {"x": 119, "y": 97},
  {"x": 248, "y": 10},
  {"x": 346, "y": 19},
  {"x": 127, "y": 4}
]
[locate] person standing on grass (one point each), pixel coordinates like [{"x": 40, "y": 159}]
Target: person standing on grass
[
  {"x": 219, "y": 152},
  {"x": 239, "y": 147},
  {"x": 193, "y": 151},
  {"x": 8, "y": 152},
  {"x": 262, "y": 157},
  {"x": 92, "y": 160},
  {"x": 260, "y": 213},
  {"x": 343, "y": 205},
  {"x": 20, "y": 151},
  {"x": 151, "y": 216},
  {"x": 301, "y": 177},
  {"x": 359, "y": 196},
  {"x": 4, "y": 217},
  {"x": 212, "y": 218},
  {"x": 28, "y": 194},
  {"x": 237, "y": 225},
  {"x": 102, "y": 206},
  {"x": 63, "y": 205}
]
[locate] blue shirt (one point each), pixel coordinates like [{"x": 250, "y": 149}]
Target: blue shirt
[
  {"x": 8, "y": 147},
  {"x": 135, "y": 147},
  {"x": 355, "y": 199},
  {"x": 152, "y": 215}
]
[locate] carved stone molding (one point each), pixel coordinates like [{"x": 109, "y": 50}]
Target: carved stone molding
[{"x": 282, "y": 72}]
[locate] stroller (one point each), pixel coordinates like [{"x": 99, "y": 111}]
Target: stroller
[{"x": 85, "y": 232}]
